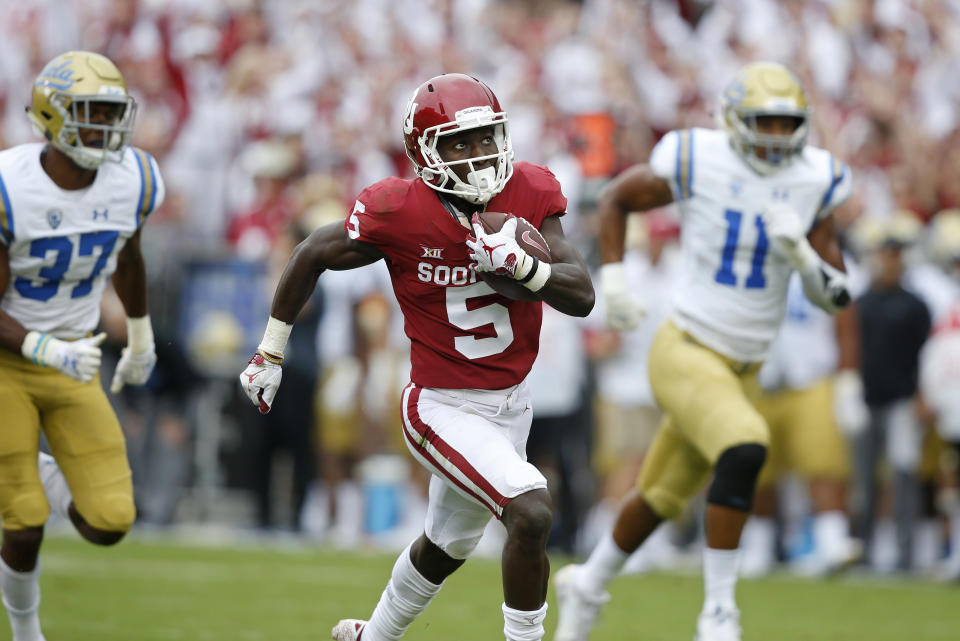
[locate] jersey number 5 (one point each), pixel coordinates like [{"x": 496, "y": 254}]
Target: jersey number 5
[
  {"x": 53, "y": 274},
  {"x": 725, "y": 275},
  {"x": 461, "y": 315}
]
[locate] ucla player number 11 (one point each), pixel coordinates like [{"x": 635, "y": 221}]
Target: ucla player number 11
[{"x": 725, "y": 275}]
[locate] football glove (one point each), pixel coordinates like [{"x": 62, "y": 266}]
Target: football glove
[
  {"x": 133, "y": 368},
  {"x": 138, "y": 357},
  {"x": 783, "y": 227},
  {"x": 849, "y": 408},
  {"x": 260, "y": 381},
  {"x": 825, "y": 285},
  {"x": 624, "y": 312},
  {"x": 79, "y": 359},
  {"x": 499, "y": 252}
]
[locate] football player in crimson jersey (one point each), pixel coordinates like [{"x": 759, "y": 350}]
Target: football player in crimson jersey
[
  {"x": 466, "y": 412},
  {"x": 756, "y": 205}
]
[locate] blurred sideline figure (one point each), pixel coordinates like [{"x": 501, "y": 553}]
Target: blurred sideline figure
[
  {"x": 467, "y": 409},
  {"x": 812, "y": 397},
  {"x": 756, "y": 205},
  {"x": 893, "y": 325},
  {"x": 940, "y": 369},
  {"x": 70, "y": 217}
]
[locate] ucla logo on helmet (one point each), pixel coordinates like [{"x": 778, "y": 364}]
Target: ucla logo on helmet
[
  {"x": 57, "y": 76},
  {"x": 54, "y": 218},
  {"x": 736, "y": 92}
]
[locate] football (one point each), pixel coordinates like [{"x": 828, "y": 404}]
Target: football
[{"x": 532, "y": 242}]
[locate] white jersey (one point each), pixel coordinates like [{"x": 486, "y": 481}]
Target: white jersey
[
  {"x": 63, "y": 244},
  {"x": 805, "y": 350},
  {"x": 733, "y": 284}
]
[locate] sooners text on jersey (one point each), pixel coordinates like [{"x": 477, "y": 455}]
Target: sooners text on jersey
[{"x": 463, "y": 334}]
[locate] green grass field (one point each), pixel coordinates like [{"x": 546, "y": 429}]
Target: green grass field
[{"x": 148, "y": 591}]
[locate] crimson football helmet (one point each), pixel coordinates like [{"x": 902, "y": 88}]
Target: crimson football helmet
[{"x": 450, "y": 104}]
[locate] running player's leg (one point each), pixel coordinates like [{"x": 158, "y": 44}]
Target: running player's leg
[
  {"x": 474, "y": 453},
  {"x": 88, "y": 445},
  {"x": 758, "y": 541},
  {"x": 23, "y": 506},
  {"x": 711, "y": 424}
]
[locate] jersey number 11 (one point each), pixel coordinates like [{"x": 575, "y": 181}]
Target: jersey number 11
[{"x": 725, "y": 275}]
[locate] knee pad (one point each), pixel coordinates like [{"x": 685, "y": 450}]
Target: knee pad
[
  {"x": 110, "y": 513},
  {"x": 458, "y": 547},
  {"x": 735, "y": 476}
]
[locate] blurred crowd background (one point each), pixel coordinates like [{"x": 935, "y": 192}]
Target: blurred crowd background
[{"x": 268, "y": 117}]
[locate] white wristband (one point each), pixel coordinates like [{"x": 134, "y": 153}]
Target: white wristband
[
  {"x": 613, "y": 278},
  {"x": 31, "y": 347},
  {"x": 539, "y": 278},
  {"x": 275, "y": 338},
  {"x": 139, "y": 334}
]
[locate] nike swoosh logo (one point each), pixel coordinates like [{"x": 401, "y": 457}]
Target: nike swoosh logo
[{"x": 528, "y": 238}]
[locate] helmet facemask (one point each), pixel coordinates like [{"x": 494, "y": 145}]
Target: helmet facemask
[
  {"x": 765, "y": 89},
  {"x": 483, "y": 184},
  {"x": 779, "y": 150},
  {"x": 76, "y": 111}
]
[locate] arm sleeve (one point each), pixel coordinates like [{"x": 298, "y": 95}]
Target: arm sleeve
[
  {"x": 6, "y": 215},
  {"x": 161, "y": 187},
  {"x": 369, "y": 220},
  {"x": 152, "y": 190},
  {"x": 552, "y": 200},
  {"x": 838, "y": 190},
  {"x": 672, "y": 160}
]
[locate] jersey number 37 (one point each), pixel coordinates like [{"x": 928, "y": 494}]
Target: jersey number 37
[{"x": 53, "y": 274}]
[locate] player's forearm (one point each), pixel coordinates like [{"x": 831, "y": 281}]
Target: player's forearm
[
  {"x": 130, "y": 283},
  {"x": 12, "y": 332},
  {"x": 613, "y": 229},
  {"x": 848, "y": 343},
  {"x": 637, "y": 189},
  {"x": 569, "y": 290},
  {"x": 296, "y": 284}
]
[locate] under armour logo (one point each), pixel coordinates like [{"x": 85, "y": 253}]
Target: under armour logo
[
  {"x": 98, "y": 214},
  {"x": 780, "y": 193}
]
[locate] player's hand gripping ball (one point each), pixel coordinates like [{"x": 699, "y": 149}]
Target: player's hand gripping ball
[{"x": 504, "y": 246}]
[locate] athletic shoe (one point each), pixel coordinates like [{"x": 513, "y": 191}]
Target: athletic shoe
[
  {"x": 577, "y": 612},
  {"x": 719, "y": 624}
]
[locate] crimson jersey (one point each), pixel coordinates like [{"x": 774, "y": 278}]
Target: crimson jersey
[{"x": 463, "y": 334}]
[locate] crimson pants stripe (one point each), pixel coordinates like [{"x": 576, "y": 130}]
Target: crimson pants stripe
[{"x": 482, "y": 490}]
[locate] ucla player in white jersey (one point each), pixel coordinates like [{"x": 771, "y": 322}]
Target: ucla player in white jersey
[
  {"x": 71, "y": 210},
  {"x": 755, "y": 204}
]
